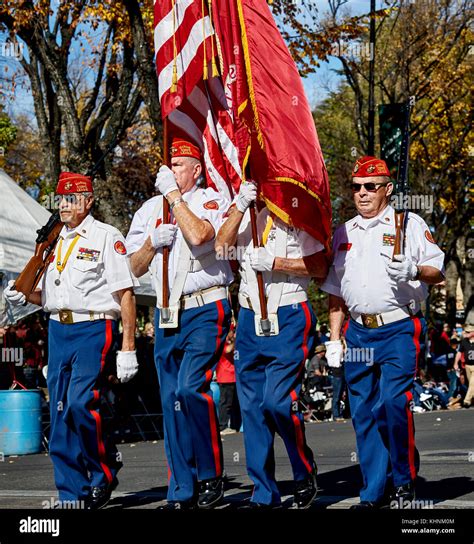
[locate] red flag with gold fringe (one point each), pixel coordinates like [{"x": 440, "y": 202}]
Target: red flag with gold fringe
[{"x": 273, "y": 124}]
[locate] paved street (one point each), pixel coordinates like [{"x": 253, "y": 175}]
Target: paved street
[{"x": 445, "y": 441}]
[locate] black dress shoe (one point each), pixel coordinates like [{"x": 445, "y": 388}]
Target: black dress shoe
[
  {"x": 211, "y": 492},
  {"x": 259, "y": 506},
  {"x": 366, "y": 505},
  {"x": 177, "y": 505},
  {"x": 305, "y": 492},
  {"x": 403, "y": 497},
  {"x": 100, "y": 496}
]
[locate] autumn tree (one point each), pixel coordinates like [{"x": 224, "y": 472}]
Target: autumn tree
[
  {"x": 422, "y": 51},
  {"x": 8, "y": 133},
  {"x": 89, "y": 66}
]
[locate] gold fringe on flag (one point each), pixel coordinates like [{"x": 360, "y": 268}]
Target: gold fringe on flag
[
  {"x": 215, "y": 71},
  {"x": 174, "y": 81},
  {"x": 205, "y": 70}
]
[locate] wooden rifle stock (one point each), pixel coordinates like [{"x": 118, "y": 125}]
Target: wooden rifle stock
[{"x": 46, "y": 240}]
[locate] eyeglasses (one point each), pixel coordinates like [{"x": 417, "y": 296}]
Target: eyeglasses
[{"x": 371, "y": 187}]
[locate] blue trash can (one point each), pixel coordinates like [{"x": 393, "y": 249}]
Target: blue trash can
[
  {"x": 20, "y": 422},
  {"x": 216, "y": 393}
]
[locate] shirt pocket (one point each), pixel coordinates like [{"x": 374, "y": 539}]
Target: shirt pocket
[
  {"x": 86, "y": 275},
  {"x": 387, "y": 253}
]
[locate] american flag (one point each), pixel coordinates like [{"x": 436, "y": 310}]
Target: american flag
[{"x": 191, "y": 87}]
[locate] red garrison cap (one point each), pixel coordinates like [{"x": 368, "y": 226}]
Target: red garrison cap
[
  {"x": 367, "y": 167},
  {"x": 73, "y": 183},
  {"x": 183, "y": 148}
]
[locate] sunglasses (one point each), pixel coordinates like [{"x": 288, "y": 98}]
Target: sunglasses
[{"x": 371, "y": 187}]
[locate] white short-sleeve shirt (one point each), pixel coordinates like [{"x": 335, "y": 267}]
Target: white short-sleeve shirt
[
  {"x": 207, "y": 204},
  {"x": 362, "y": 249},
  {"x": 299, "y": 244},
  {"x": 97, "y": 268}
]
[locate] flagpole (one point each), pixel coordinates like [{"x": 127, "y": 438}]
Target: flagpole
[
  {"x": 165, "y": 311},
  {"x": 264, "y": 321}
]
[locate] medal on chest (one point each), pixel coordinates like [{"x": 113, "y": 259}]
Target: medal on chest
[{"x": 60, "y": 262}]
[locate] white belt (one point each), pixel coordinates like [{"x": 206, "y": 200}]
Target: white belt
[
  {"x": 67, "y": 317},
  {"x": 286, "y": 299},
  {"x": 373, "y": 321},
  {"x": 202, "y": 297}
]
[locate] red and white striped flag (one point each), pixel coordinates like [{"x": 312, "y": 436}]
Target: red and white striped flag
[{"x": 192, "y": 92}]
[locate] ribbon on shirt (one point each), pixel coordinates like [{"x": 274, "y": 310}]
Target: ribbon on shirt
[{"x": 61, "y": 265}]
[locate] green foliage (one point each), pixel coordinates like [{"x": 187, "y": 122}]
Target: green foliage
[{"x": 7, "y": 133}]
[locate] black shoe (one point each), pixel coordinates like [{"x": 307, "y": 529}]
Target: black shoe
[
  {"x": 184, "y": 505},
  {"x": 366, "y": 505},
  {"x": 100, "y": 496},
  {"x": 305, "y": 492},
  {"x": 259, "y": 506},
  {"x": 211, "y": 492},
  {"x": 403, "y": 497}
]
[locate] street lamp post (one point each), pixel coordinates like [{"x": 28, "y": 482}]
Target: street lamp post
[{"x": 371, "y": 116}]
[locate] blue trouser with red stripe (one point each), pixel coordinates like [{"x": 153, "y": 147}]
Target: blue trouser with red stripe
[
  {"x": 76, "y": 367},
  {"x": 185, "y": 360},
  {"x": 380, "y": 367},
  {"x": 269, "y": 372}
]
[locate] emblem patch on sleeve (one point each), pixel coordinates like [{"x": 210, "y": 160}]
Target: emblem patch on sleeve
[
  {"x": 389, "y": 239},
  {"x": 119, "y": 247},
  {"x": 211, "y": 205},
  {"x": 429, "y": 237},
  {"x": 344, "y": 246}
]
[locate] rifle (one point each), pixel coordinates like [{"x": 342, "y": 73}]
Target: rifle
[
  {"x": 46, "y": 240},
  {"x": 401, "y": 213}
]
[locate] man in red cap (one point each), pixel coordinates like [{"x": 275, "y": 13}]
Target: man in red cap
[
  {"x": 190, "y": 334},
  {"x": 382, "y": 293},
  {"x": 86, "y": 287}
]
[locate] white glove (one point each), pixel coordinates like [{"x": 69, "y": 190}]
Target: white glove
[
  {"x": 127, "y": 365},
  {"x": 44, "y": 370},
  {"x": 165, "y": 181},
  {"x": 402, "y": 269},
  {"x": 247, "y": 195},
  {"x": 334, "y": 353},
  {"x": 261, "y": 260},
  {"x": 163, "y": 235},
  {"x": 15, "y": 298}
]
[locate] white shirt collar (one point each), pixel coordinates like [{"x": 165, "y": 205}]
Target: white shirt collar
[
  {"x": 82, "y": 229},
  {"x": 386, "y": 216}
]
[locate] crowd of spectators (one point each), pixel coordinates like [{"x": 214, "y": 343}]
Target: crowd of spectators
[{"x": 445, "y": 376}]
